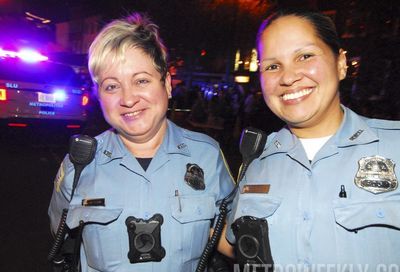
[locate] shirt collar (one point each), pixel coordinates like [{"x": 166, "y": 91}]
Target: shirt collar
[
  {"x": 111, "y": 146},
  {"x": 174, "y": 141},
  {"x": 353, "y": 131}
]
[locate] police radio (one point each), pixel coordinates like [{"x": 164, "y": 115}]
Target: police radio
[
  {"x": 252, "y": 142},
  {"x": 64, "y": 254},
  {"x": 252, "y": 248}
]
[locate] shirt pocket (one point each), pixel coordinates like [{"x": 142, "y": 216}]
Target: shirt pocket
[
  {"x": 358, "y": 215},
  {"x": 101, "y": 236},
  {"x": 257, "y": 205},
  {"x": 192, "y": 216}
]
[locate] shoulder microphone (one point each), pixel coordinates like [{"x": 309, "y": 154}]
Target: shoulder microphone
[
  {"x": 82, "y": 149},
  {"x": 252, "y": 142}
]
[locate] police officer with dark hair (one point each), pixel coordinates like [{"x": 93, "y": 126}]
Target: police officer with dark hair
[{"x": 329, "y": 189}]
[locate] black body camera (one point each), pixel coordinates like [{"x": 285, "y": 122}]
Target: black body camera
[
  {"x": 145, "y": 239},
  {"x": 252, "y": 247}
]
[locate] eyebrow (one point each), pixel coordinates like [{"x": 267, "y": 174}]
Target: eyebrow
[
  {"x": 113, "y": 78},
  {"x": 134, "y": 75},
  {"x": 295, "y": 51},
  {"x": 141, "y": 72}
]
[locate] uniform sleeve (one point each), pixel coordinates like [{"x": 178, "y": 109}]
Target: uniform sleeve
[
  {"x": 226, "y": 184},
  {"x": 61, "y": 193},
  {"x": 230, "y": 218}
]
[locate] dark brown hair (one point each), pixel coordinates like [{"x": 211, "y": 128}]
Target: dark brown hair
[{"x": 323, "y": 25}]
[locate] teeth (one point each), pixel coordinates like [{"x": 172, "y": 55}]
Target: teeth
[
  {"x": 129, "y": 114},
  {"x": 296, "y": 94}
]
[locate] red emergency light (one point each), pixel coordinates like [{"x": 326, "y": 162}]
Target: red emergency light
[{"x": 85, "y": 100}]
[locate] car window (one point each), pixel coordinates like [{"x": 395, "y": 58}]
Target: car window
[{"x": 45, "y": 72}]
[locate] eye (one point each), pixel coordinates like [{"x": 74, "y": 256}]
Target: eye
[
  {"x": 305, "y": 56},
  {"x": 271, "y": 67},
  {"x": 110, "y": 87},
  {"x": 142, "y": 82}
]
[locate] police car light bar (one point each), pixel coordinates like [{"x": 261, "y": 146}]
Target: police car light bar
[{"x": 27, "y": 55}]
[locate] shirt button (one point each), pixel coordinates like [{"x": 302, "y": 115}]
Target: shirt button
[
  {"x": 306, "y": 216},
  {"x": 380, "y": 214},
  {"x": 146, "y": 215}
]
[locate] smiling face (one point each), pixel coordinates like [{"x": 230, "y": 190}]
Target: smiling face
[
  {"x": 300, "y": 76},
  {"x": 133, "y": 98}
]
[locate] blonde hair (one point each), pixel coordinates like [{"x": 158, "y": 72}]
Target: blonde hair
[{"x": 134, "y": 31}]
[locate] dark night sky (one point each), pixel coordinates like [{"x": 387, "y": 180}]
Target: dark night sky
[
  {"x": 182, "y": 22},
  {"x": 186, "y": 25}
]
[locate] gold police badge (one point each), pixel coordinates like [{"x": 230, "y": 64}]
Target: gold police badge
[{"x": 376, "y": 175}]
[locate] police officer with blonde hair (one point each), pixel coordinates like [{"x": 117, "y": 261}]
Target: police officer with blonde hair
[{"x": 147, "y": 200}]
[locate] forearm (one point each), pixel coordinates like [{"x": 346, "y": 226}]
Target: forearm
[{"x": 224, "y": 246}]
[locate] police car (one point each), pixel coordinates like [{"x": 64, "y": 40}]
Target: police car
[{"x": 34, "y": 89}]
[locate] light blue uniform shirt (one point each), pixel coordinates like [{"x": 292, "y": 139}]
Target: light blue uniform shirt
[
  {"x": 310, "y": 226},
  {"x": 128, "y": 190}
]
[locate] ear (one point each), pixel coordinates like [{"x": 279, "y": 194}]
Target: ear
[
  {"x": 342, "y": 64},
  {"x": 168, "y": 85}
]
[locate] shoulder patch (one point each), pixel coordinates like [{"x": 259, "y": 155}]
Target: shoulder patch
[
  {"x": 59, "y": 177},
  {"x": 383, "y": 124}
]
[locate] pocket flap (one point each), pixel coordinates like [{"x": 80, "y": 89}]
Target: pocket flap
[
  {"x": 358, "y": 215},
  {"x": 257, "y": 205},
  {"x": 91, "y": 215},
  {"x": 192, "y": 208}
]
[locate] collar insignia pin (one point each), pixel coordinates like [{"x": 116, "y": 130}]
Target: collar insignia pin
[
  {"x": 107, "y": 153},
  {"x": 180, "y": 146},
  {"x": 355, "y": 135}
]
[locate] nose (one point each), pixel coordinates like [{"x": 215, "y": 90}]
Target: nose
[
  {"x": 128, "y": 98},
  {"x": 290, "y": 76}
]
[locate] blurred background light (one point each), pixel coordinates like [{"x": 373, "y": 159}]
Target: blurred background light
[
  {"x": 60, "y": 95},
  {"x": 30, "y": 55},
  {"x": 242, "y": 79}
]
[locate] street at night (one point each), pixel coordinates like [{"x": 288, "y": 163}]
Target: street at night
[{"x": 29, "y": 163}]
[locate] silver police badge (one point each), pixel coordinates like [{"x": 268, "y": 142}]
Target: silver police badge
[{"x": 376, "y": 175}]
